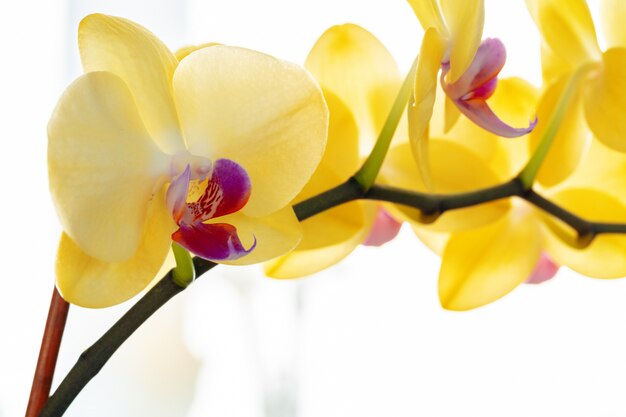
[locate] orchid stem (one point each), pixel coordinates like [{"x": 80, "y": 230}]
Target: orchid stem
[
  {"x": 184, "y": 273},
  {"x": 48, "y": 354},
  {"x": 367, "y": 174},
  {"x": 93, "y": 359},
  {"x": 431, "y": 205}
]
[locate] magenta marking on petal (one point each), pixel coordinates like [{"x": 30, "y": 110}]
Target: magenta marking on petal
[
  {"x": 385, "y": 228},
  {"x": 479, "y": 112},
  {"x": 227, "y": 191},
  {"x": 176, "y": 197},
  {"x": 487, "y": 64},
  {"x": 483, "y": 92},
  {"x": 215, "y": 242},
  {"x": 545, "y": 270}
]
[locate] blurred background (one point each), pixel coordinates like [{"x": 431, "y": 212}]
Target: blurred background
[{"x": 366, "y": 337}]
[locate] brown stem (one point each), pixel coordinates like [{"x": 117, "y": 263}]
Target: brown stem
[{"x": 48, "y": 354}]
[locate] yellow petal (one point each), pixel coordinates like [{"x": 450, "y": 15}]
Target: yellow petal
[
  {"x": 103, "y": 166},
  {"x": 267, "y": 115},
  {"x": 603, "y": 169},
  {"x": 613, "y": 17},
  {"x": 435, "y": 241},
  {"x": 604, "y": 258},
  {"x": 341, "y": 156},
  {"x": 482, "y": 265},
  {"x": 145, "y": 64},
  {"x": 429, "y": 15},
  {"x": 571, "y": 138},
  {"x": 567, "y": 28},
  {"x": 452, "y": 114},
  {"x": 186, "y": 50},
  {"x": 327, "y": 238},
  {"x": 351, "y": 63},
  {"x": 465, "y": 20},
  {"x": 275, "y": 234},
  {"x": 515, "y": 102},
  {"x": 426, "y": 81},
  {"x": 552, "y": 65},
  {"x": 90, "y": 282},
  {"x": 605, "y": 100},
  {"x": 455, "y": 169}
]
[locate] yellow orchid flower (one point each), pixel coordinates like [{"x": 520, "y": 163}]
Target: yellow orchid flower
[
  {"x": 569, "y": 48},
  {"x": 469, "y": 68},
  {"x": 144, "y": 149},
  {"x": 488, "y": 250},
  {"x": 360, "y": 80}
]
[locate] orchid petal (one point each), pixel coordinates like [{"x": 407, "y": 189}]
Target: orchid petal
[
  {"x": 384, "y": 229},
  {"x": 611, "y": 178},
  {"x": 544, "y": 271},
  {"x": 479, "y": 112},
  {"x": 341, "y": 156},
  {"x": 613, "y": 17},
  {"x": 103, "y": 166},
  {"x": 215, "y": 242},
  {"x": 482, "y": 265},
  {"x": 435, "y": 241},
  {"x": 429, "y": 15},
  {"x": 552, "y": 65},
  {"x": 451, "y": 114},
  {"x": 275, "y": 234},
  {"x": 465, "y": 20},
  {"x": 176, "y": 197},
  {"x": 331, "y": 235},
  {"x": 345, "y": 227},
  {"x": 567, "y": 27},
  {"x": 351, "y": 63},
  {"x": 91, "y": 282},
  {"x": 571, "y": 138},
  {"x": 420, "y": 112},
  {"x": 604, "y": 257},
  {"x": 605, "y": 100},
  {"x": 266, "y": 114},
  {"x": 186, "y": 50},
  {"x": 145, "y": 64}
]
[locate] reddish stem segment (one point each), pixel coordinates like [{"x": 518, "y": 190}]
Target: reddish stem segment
[{"x": 48, "y": 353}]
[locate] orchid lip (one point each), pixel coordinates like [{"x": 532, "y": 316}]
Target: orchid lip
[
  {"x": 194, "y": 201},
  {"x": 478, "y": 83}
]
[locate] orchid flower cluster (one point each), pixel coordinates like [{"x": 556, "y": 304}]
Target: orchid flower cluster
[{"x": 208, "y": 150}]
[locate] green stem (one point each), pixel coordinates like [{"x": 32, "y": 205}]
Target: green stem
[
  {"x": 367, "y": 174},
  {"x": 94, "y": 358},
  {"x": 529, "y": 173},
  {"x": 184, "y": 273}
]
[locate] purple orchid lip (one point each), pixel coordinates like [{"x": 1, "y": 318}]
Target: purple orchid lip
[
  {"x": 227, "y": 191},
  {"x": 471, "y": 91}
]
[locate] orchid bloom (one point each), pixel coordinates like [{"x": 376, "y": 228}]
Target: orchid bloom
[
  {"x": 144, "y": 149},
  {"x": 569, "y": 47},
  {"x": 490, "y": 249},
  {"x": 359, "y": 79},
  {"x": 469, "y": 68}
]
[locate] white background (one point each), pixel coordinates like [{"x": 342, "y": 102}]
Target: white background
[{"x": 365, "y": 338}]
